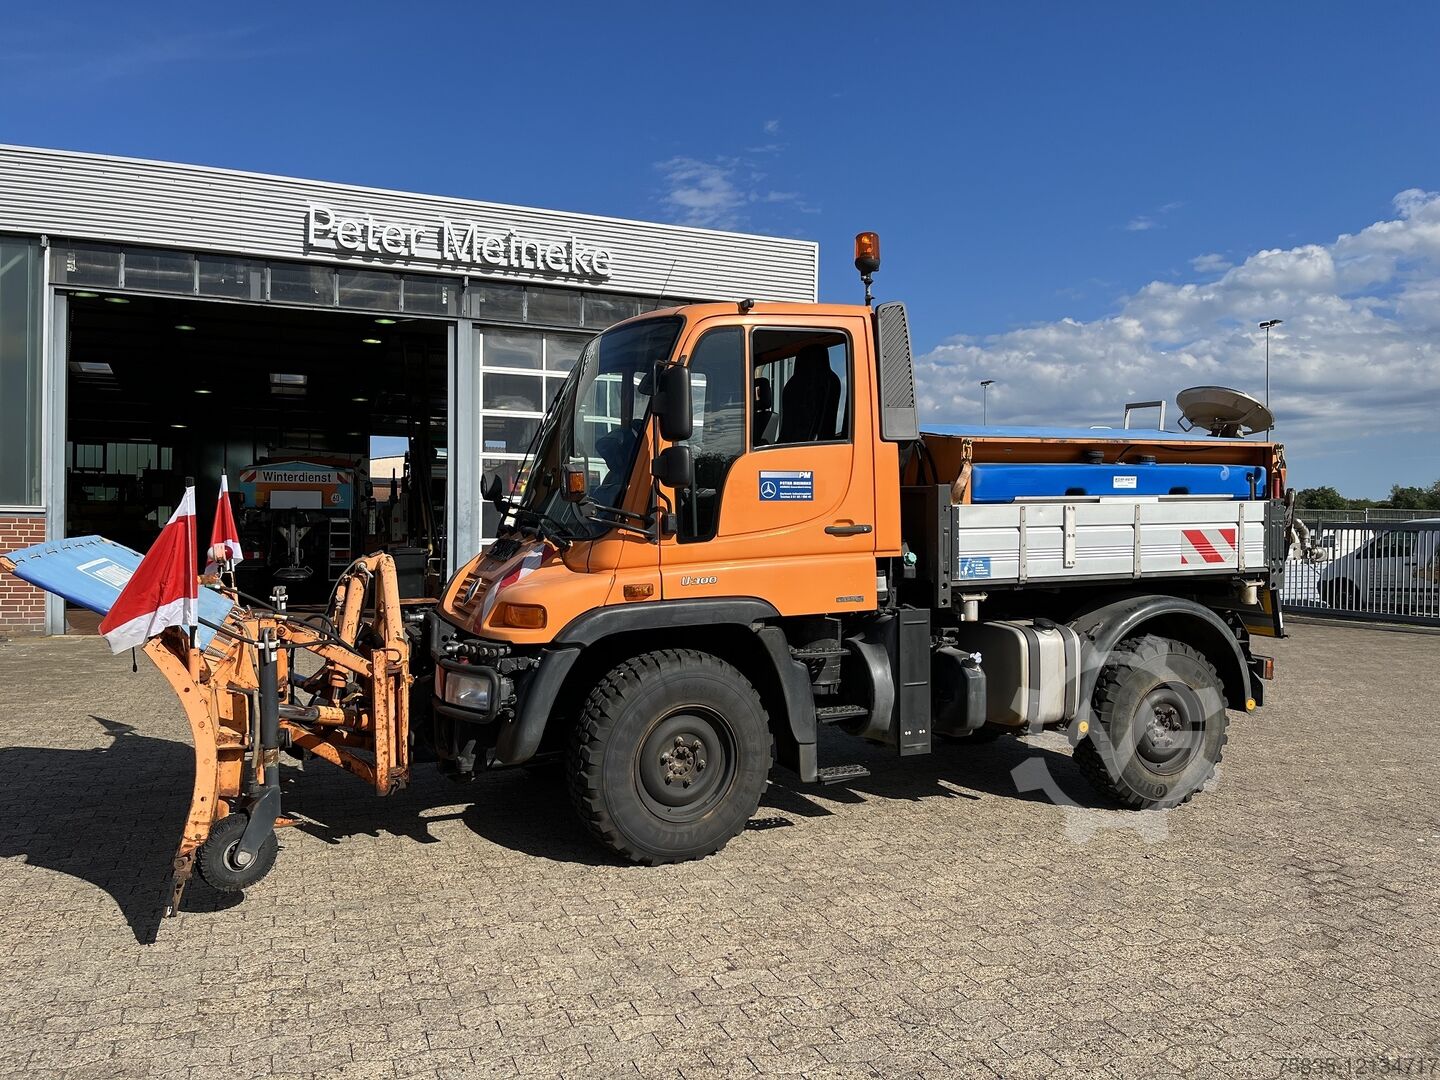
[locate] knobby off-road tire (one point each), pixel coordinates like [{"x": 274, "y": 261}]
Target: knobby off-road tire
[
  {"x": 216, "y": 858},
  {"x": 670, "y": 756},
  {"x": 1161, "y": 712}
]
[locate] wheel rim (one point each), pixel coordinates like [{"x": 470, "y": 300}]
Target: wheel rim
[
  {"x": 685, "y": 764},
  {"x": 1171, "y": 724},
  {"x": 227, "y": 856}
]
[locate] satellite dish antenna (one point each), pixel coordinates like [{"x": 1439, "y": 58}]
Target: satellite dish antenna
[{"x": 1225, "y": 413}]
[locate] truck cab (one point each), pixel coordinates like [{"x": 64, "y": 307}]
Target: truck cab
[{"x": 732, "y": 531}]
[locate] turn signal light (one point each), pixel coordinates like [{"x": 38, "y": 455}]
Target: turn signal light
[
  {"x": 574, "y": 483},
  {"x": 867, "y": 252},
  {"x": 521, "y": 616},
  {"x": 642, "y": 591}
]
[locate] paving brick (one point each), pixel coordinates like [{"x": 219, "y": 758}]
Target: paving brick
[{"x": 928, "y": 922}]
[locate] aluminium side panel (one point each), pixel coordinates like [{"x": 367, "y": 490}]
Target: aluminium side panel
[{"x": 1049, "y": 541}]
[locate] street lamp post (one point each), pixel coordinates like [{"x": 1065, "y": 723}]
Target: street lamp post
[
  {"x": 985, "y": 399},
  {"x": 1266, "y": 326}
]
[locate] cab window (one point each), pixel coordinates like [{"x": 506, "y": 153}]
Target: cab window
[
  {"x": 799, "y": 387},
  {"x": 717, "y": 380}
]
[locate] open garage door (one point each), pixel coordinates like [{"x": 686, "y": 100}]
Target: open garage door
[{"x": 292, "y": 404}]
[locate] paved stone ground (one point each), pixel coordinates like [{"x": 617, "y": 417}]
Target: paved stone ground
[{"x": 934, "y": 921}]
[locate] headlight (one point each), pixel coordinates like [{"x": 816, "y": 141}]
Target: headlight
[{"x": 468, "y": 691}]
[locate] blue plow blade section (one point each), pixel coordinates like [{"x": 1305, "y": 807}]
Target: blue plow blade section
[{"x": 90, "y": 571}]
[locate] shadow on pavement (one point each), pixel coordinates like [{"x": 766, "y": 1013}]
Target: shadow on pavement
[
  {"x": 109, "y": 815},
  {"x": 956, "y": 769},
  {"x": 112, "y": 815}
]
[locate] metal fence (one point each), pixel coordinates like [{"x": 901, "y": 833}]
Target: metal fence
[{"x": 1379, "y": 569}]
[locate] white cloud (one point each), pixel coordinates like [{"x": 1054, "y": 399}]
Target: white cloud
[
  {"x": 772, "y": 127},
  {"x": 716, "y": 194},
  {"x": 1146, "y": 222},
  {"x": 702, "y": 192},
  {"x": 1210, "y": 264},
  {"x": 1357, "y": 358}
]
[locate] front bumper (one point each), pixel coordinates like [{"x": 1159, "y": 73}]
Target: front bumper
[
  {"x": 469, "y": 683},
  {"x": 525, "y": 682}
]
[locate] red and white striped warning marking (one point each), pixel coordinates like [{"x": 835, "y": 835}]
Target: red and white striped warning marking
[{"x": 1206, "y": 546}]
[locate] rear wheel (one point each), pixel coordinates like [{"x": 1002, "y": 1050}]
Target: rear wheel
[
  {"x": 670, "y": 756},
  {"x": 1162, "y": 721}
]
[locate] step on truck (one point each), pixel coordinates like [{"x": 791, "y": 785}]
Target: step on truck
[{"x": 732, "y": 533}]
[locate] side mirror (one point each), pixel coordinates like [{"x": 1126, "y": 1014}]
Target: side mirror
[
  {"x": 672, "y": 403},
  {"x": 492, "y": 492},
  {"x": 675, "y": 467}
]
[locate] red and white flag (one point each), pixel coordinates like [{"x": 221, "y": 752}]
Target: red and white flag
[
  {"x": 224, "y": 537},
  {"x": 164, "y": 590},
  {"x": 520, "y": 567}
]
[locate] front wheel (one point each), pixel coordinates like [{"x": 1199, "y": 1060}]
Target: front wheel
[
  {"x": 1162, "y": 721},
  {"x": 670, "y": 756},
  {"x": 219, "y": 860}
]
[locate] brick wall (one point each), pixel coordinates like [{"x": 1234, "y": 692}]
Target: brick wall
[{"x": 22, "y": 606}]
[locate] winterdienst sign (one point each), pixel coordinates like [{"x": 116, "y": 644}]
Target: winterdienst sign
[{"x": 452, "y": 243}]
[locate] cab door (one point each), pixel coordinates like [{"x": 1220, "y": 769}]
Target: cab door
[{"x": 783, "y": 505}]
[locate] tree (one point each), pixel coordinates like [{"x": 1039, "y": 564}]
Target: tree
[
  {"x": 1402, "y": 497},
  {"x": 1321, "y": 498},
  {"x": 1414, "y": 498}
]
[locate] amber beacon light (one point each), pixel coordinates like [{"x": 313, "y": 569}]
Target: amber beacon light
[{"x": 867, "y": 259}]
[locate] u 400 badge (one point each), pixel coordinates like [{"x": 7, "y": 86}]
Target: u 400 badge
[{"x": 707, "y": 579}]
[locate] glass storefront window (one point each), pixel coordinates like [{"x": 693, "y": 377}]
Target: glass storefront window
[
  {"x": 161, "y": 271},
  {"x": 552, "y": 307},
  {"x": 368, "y": 289},
  {"x": 514, "y": 349},
  {"x": 507, "y": 434},
  {"x": 513, "y": 393},
  {"x": 73, "y": 264},
  {"x": 20, "y": 294},
  {"x": 487, "y": 300},
  {"x": 431, "y": 296},
  {"x": 294, "y": 283},
  {"x": 561, "y": 351},
  {"x": 238, "y": 279},
  {"x": 604, "y": 310}
]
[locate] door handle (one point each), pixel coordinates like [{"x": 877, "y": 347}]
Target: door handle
[{"x": 847, "y": 530}]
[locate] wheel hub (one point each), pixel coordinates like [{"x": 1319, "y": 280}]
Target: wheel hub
[
  {"x": 1173, "y": 725},
  {"x": 684, "y": 762},
  {"x": 1165, "y": 724}
]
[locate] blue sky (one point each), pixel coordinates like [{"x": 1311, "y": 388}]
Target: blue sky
[{"x": 1089, "y": 204}]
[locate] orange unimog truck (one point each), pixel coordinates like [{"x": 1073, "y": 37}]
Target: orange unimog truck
[{"x": 734, "y": 532}]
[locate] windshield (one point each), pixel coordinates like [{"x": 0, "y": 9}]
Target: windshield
[{"x": 596, "y": 423}]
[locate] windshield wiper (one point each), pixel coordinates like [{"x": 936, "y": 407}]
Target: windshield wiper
[
  {"x": 546, "y": 527},
  {"x": 623, "y": 519}
]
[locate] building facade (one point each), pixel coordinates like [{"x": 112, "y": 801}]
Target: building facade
[{"x": 128, "y": 286}]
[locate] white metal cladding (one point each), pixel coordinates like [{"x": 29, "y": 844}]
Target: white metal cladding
[
  {"x": 1145, "y": 536},
  {"x": 126, "y": 200}
]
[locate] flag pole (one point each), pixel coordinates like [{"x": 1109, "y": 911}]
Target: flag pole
[{"x": 194, "y": 575}]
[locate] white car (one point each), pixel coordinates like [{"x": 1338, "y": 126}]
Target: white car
[{"x": 1395, "y": 569}]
